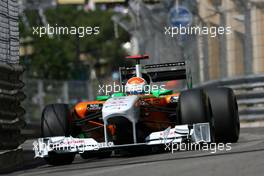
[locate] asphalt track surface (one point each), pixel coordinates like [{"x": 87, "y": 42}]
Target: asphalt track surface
[{"x": 245, "y": 158}]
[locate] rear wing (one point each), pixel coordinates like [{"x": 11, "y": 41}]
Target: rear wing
[{"x": 158, "y": 73}]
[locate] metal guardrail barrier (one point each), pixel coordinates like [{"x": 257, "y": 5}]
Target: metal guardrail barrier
[{"x": 249, "y": 91}]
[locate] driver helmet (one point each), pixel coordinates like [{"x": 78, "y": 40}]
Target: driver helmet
[{"x": 136, "y": 85}]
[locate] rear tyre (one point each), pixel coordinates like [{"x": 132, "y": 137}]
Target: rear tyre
[
  {"x": 225, "y": 114},
  {"x": 55, "y": 122},
  {"x": 194, "y": 107}
]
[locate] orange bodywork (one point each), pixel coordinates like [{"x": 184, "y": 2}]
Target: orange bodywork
[
  {"x": 153, "y": 120},
  {"x": 81, "y": 108}
]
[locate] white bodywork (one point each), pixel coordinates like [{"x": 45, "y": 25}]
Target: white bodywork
[
  {"x": 180, "y": 133},
  {"x": 127, "y": 107},
  {"x": 121, "y": 106}
]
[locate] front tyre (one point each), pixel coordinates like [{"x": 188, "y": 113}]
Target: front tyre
[
  {"x": 225, "y": 114},
  {"x": 194, "y": 107},
  {"x": 55, "y": 122}
]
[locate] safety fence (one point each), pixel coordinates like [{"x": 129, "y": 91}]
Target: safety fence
[
  {"x": 249, "y": 91},
  {"x": 40, "y": 93}
]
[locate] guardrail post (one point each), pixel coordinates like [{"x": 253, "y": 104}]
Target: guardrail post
[
  {"x": 65, "y": 92},
  {"x": 41, "y": 94}
]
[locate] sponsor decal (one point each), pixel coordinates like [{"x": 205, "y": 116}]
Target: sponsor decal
[{"x": 94, "y": 107}]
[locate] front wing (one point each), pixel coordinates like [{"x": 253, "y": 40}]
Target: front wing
[{"x": 196, "y": 133}]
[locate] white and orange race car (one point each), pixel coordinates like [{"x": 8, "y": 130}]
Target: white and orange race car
[{"x": 139, "y": 117}]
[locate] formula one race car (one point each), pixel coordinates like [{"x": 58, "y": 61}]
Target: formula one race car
[{"x": 139, "y": 116}]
